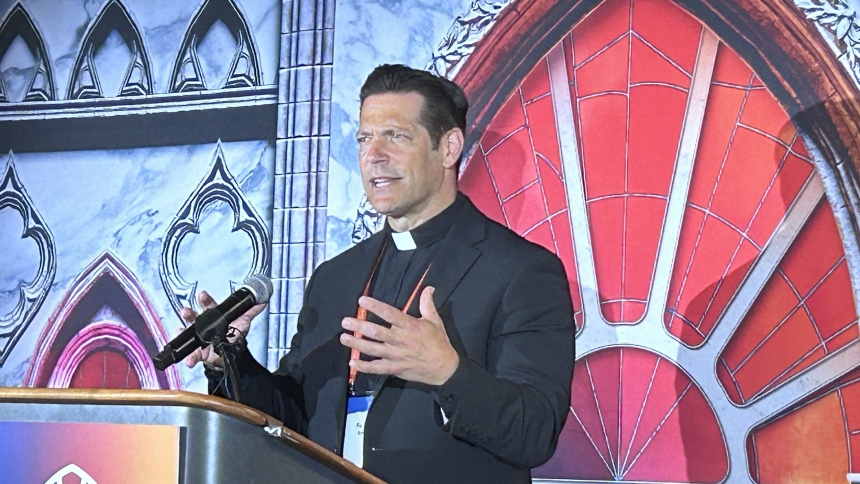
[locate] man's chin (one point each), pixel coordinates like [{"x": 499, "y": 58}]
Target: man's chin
[{"x": 385, "y": 208}]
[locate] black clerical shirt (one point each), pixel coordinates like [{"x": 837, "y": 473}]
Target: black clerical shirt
[{"x": 400, "y": 271}]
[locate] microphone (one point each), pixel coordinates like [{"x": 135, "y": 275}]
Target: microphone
[{"x": 213, "y": 322}]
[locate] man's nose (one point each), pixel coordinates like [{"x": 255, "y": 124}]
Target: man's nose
[{"x": 374, "y": 151}]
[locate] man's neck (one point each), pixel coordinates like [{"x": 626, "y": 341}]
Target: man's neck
[{"x": 407, "y": 222}]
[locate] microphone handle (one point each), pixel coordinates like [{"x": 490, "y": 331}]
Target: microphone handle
[
  {"x": 176, "y": 350},
  {"x": 209, "y": 324},
  {"x": 214, "y": 321}
]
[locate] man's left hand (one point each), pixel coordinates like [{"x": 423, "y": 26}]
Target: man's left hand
[{"x": 414, "y": 349}]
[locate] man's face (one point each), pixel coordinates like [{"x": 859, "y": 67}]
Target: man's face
[{"x": 401, "y": 172}]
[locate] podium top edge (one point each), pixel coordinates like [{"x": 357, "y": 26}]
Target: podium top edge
[{"x": 98, "y": 396}]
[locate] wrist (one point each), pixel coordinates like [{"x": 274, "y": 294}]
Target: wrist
[{"x": 450, "y": 369}]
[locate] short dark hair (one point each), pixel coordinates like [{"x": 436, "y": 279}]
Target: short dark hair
[{"x": 445, "y": 104}]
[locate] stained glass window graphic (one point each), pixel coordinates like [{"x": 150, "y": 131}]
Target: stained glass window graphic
[
  {"x": 641, "y": 411},
  {"x": 804, "y": 313},
  {"x": 814, "y": 432},
  {"x": 91, "y": 372},
  {"x": 516, "y": 177},
  {"x": 733, "y": 206},
  {"x": 101, "y": 334},
  {"x": 708, "y": 274},
  {"x": 629, "y": 125}
]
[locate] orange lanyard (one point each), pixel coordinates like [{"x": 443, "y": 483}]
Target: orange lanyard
[{"x": 354, "y": 354}]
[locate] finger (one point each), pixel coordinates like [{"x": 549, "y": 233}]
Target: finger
[
  {"x": 368, "y": 329},
  {"x": 188, "y": 314},
  {"x": 206, "y": 301},
  {"x": 427, "y": 307},
  {"x": 252, "y": 313},
  {"x": 387, "y": 313},
  {"x": 195, "y": 357},
  {"x": 376, "y": 367},
  {"x": 367, "y": 347}
]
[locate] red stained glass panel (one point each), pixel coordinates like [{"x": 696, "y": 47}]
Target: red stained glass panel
[
  {"x": 636, "y": 416},
  {"x": 105, "y": 368},
  {"x": 805, "y": 312},
  {"x": 734, "y": 205},
  {"x": 808, "y": 443},
  {"x": 516, "y": 176},
  {"x": 631, "y": 96}
]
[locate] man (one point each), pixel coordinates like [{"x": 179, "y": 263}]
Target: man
[{"x": 456, "y": 333}]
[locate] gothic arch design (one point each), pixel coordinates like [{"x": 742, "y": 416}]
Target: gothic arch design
[
  {"x": 18, "y": 22},
  {"x": 101, "y": 336},
  {"x": 74, "y": 329},
  {"x": 30, "y": 299},
  {"x": 244, "y": 67},
  {"x": 689, "y": 89},
  {"x": 218, "y": 184},
  {"x": 137, "y": 81}
]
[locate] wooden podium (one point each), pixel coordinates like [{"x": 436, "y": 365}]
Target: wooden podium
[{"x": 214, "y": 440}]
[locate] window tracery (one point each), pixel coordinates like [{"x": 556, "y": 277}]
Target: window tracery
[
  {"x": 18, "y": 24},
  {"x": 32, "y": 295},
  {"x": 218, "y": 185},
  {"x": 244, "y": 71},
  {"x": 137, "y": 80}
]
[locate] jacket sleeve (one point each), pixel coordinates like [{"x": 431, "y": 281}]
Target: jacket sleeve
[
  {"x": 515, "y": 407},
  {"x": 278, "y": 394}
]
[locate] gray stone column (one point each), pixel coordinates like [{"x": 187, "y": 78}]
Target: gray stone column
[{"x": 301, "y": 161}]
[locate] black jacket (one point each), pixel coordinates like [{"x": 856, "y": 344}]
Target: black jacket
[{"x": 507, "y": 310}]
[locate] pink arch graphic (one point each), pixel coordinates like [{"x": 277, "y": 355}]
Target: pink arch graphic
[
  {"x": 99, "y": 335},
  {"x": 58, "y": 354}
]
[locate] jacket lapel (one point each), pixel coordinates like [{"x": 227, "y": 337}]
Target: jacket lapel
[{"x": 456, "y": 255}]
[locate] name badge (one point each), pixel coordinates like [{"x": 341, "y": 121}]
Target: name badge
[{"x": 353, "y": 436}]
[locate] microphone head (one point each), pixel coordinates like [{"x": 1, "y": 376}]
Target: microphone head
[{"x": 260, "y": 287}]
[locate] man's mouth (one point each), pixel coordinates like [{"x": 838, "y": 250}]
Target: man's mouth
[{"x": 380, "y": 182}]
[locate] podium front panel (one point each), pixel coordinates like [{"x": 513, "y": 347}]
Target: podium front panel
[{"x": 212, "y": 448}]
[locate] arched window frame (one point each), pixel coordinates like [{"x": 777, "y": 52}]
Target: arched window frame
[
  {"x": 48, "y": 357},
  {"x": 97, "y": 336}
]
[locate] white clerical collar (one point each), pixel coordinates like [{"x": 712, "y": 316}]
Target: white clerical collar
[{"x": 403, "y": 240}]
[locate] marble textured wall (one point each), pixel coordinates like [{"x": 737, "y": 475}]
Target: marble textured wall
[{"x": 123, "y": 199}]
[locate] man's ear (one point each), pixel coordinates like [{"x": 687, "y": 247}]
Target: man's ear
[{"x": 452, "y": 143}]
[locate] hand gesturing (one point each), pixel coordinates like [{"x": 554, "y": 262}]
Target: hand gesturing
[{"x": 414, "y": 349}]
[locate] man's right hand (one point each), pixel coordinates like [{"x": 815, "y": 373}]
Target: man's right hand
[{"x": 208, "y": 355}]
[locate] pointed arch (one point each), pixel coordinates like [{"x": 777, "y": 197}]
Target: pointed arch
[
  {"x": 244, "y": 66},
  {"x": 19, "y": 23},
  {"x": 74, "y": 330},
  {"x": 137, "y": 81}
]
